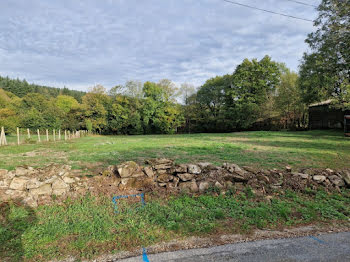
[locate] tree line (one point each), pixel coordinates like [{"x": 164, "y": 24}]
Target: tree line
[{"x": 259, "y": 94}]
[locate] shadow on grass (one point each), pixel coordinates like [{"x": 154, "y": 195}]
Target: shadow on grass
[{"x": 15, "y": 220}]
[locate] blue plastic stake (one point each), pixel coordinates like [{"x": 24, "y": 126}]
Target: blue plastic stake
[{"x": 144, "y": 255}]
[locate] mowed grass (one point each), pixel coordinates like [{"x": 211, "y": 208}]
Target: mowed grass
[
  {"x": 89, "y": 226},
  {"x": 320, "y": 149}
]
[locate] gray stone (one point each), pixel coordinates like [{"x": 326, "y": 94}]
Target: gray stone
[
  {"x": 59, "y": 191},
  {"x": 181, "y": 168},
  {"x": 189, "y": 186},
  {"x": 233, "y": 168},
  {"x": 34, "y": 183},
  {"x": 302, "y": 175},
  {"x": 70, "y": 180},
  {"x": 4, "y": 184},
  {"x": 21, "y": 171},
  {"x": 16, "y": 194},
  {"x": 194, "y": 169},
  {"x": 127, "y": 169},
  {"x": 162, "y": 166},
  {"x": 164, "y": 178},
  {"x": 18, "y": 183},
  {"x": 217, "y": 184},
  {"x": 42, "y": 190},
  {"x": 337, "y": 181},
  {"x": 186, "y": 176},
  {"x": 59, "y": 184},
  {"x": 205, "y": 165},
  {"x": 149, "y": 171},
  {"x": 319, "y": 178},
  {"x": 203, "y": 186},
  {"x": 30, "y": 201},
  {"x": 346, "y": 177}
]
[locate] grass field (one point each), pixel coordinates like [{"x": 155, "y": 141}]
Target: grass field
[
  {"x": 88, "y": 227},
  {"x": 262, "y": 149}
]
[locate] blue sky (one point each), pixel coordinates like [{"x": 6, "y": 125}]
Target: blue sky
[{"x": 82, "y": 43}]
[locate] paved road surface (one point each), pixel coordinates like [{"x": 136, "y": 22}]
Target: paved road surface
[{"x": 329, "y": 247}]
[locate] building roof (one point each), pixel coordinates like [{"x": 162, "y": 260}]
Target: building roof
[{"x": 322, "y": 103}]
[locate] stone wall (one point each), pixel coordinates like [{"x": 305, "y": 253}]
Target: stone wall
[
  {"x": 197, "y": 178},
  {"x": 40, "y": 186}
]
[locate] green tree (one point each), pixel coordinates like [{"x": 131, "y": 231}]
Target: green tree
[
  {"x": 253, "y": 84},
  {"x": 325, "y": 72},
  {"x": 288, "y": 101}
]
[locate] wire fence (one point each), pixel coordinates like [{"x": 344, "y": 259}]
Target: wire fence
[{"x": 28, "y": 136}]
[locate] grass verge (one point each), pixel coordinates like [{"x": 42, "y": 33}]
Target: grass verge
[{"x": 89, "y": 226}]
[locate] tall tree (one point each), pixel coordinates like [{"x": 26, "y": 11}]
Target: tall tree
[{"x": 325, "y": 72}]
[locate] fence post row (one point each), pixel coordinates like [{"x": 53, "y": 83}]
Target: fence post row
[{"x": 68, "y": 135}]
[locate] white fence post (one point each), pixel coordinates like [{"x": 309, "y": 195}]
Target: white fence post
[{"x": 38, "y": 131}]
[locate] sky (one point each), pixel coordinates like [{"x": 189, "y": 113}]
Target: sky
[{"x": 79, "y": 44}]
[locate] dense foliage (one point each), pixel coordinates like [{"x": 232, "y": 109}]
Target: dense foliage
[
  {"x": 21, "y": 87},
  {"x": 325, "y": 71},
  {"x": 255, "y": 93}
]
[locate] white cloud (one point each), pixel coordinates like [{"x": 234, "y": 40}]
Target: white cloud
[{"x": 80, "y": 43}]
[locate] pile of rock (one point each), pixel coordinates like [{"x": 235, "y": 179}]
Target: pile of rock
[
  {"x": 40, "y": 186},
  {"x": 37, "y": 186},
  {"x": 163, "y": 173}
]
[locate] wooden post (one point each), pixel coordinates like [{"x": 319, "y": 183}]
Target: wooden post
[
  {"x": 65, "y": 135},
  {"x": 54, "y": 135},
  {"x": 17, "y": 136},
  {"x": 39, "y": 140},
  {"x": 47, "y": 135},
  {"x": 59, "y": 134},
  {"x": 28, "y": 133},
  {"x": 3, "y": 141}
]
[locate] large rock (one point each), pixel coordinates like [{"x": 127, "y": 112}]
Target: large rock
[
  {"x": 174, "y": 183},
  {"x": 149, "y": 171},
  {"x": 346, "y": 177},
  {"x": 129, "y": 169},
  {"x": 194, "y": 169},
  {"x": 59, "y": 184},
  {"x": 302, "y": 175},
  {"x": 189, "y": 186},
  {"x": 18, "y": 183},
  {"x": 33, "y": 183},
  {"x": 23, "y": 171},
  {"x": 164, "y": 178},
  {"x": 181, "y": 168},
  {"x": 5, "y": 183},
  {"x": 186, "y": 176},
  {"x": 68, "y": 180},
  {"x": 236, "y": 178},
  {"x": 203, "y": 186},
  {"x": 14, "y": 194},
  {"x": 337, "y": 181},
  {"x": 319, "y": 178},
  {"x": 45, "y": 189}
]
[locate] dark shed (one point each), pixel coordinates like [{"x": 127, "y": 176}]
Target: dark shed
[{"x": 323, "y": 116}]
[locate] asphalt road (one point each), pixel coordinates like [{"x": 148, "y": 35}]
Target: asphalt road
[{"x": 328, "y": 247}]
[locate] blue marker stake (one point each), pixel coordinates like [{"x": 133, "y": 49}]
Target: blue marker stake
[{"x": 144, "y": 255}]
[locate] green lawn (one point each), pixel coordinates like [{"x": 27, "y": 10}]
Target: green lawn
[
  {"x": 88, "y": 227},
  {"x": 262, "y": 149}
]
